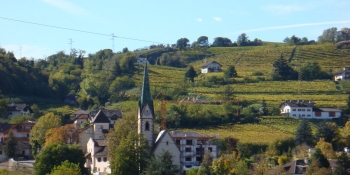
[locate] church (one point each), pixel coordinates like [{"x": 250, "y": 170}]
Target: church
[{"x": 187, "y": 148}]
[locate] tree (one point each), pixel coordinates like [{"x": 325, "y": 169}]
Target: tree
[
  {"x": 197, "y": 171},
  {"x": 182, "y": 43},
  {"x": 63, "y": 134},
  {"x": 315, "y": 169},
  {"x": 312, "y": 71},
  {"x": 10, "y": 147},
  {"x": 207, "y": 160},
  {"x": 19, "y": 119},
  {"x": 162, "y": 164},
  {"x": 346, "y": 132},
  {"x": 130, "y": 156},
  {"x": 125, "y": 50},
  {"x": 329, "y": 131},
  {"x": 3, "y": 106},
  {"x": 319, "y": 157},
  {"x": 127, "y": 63},
  {"x": 221, "y": 42},
  {"x": 227, "y": 163},
  {"x": 230, "y": 72},
  {"x": 36, "y": 111},
  {"x": 242, "y": 40},
  {"x": 228, "y": 93},
  {"x": 282, "y": 71},
  {"x": 121, "y": 130},
  {"x": 304, "y": 133},
  {"x": 191, "y": 74},
  {"x": 326, "y": 148},
  {"x": 263, "y": 108},
  {"x": 66, "y": 168},
  {"x": 55, "y": 154},
  {"x": 119, "y": 86},
  {"x": 203, "y": 41},
  {"x": 328, "y": 35},
  {"x": 44, "y": 123},
  {"x": 343, "y": 164}
]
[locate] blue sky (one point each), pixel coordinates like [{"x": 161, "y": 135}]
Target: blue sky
[{"x": 159, "y": 21}]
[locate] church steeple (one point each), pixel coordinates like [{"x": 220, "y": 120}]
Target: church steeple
[
  {"x": 146, "y": 92},
  {"x": 146, "y": 110}
]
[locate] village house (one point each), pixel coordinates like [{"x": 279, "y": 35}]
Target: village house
[
  {"x": 212, "y": 66},
  {"x": 18, "y": 109},
  {"x": 98, "y": 128},
  {"x": 307, "y": 109},
  {"x": 193, "y": 146},
  {"x": 141, "y": 60},
  {"x": 97, "y": 159},
  {"x": 21, "y": 132},
  {"x": 343, "y": 74}
]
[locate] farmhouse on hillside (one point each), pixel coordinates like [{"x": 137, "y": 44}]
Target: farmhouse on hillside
[
  {"x": 343, "y": 74},
  {"x": 141, "y": 60},
  {"x": 18, "y": 109},
  {"x": 307, "y": 109},
  {"x": 212, "y": 66}
]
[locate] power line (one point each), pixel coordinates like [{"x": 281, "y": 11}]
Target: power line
[{"x": 77, "y": 30}]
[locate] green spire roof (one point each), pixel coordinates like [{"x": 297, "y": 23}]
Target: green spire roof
[{"x": 146, "y": 92}]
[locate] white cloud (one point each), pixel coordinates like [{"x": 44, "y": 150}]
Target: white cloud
[
  {"x": 199, "y": 20},
  {"x": 217, "y": 19},
  {"x": 66, "y": 6},
  {"x": 293, "y": 26},
  {"x": 283, "y": 9},
  {"x": 28, "y": 51}
]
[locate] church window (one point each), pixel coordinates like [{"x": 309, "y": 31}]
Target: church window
[{"x": 147, "y": 126}]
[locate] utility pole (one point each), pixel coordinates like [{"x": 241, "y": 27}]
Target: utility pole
[
  {"x": 70, "y": 42},
  {"x": 112, "y": 42}
]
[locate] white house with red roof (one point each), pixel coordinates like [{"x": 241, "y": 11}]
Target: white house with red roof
[{"x": 307, "y": 109}]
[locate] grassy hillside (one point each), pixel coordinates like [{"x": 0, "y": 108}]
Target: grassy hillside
[{"x": 255, "y": 88}]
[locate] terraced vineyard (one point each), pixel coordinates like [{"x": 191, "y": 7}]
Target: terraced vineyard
[{"x": 252, "y": 133}]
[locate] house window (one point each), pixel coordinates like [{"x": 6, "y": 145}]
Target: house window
[
  {"x": 188, "y": 159},
  {"x": 309, "y": 115},
  {"x": 99, "y": 159},
  {"x": 100, "y": 137},
  {"x": 147, "y": 126},
  {"x": 105, "y": 159},
  {"x": 294, "y": 109},
  {"x": 318, "y": 114},
  {"x": 332, "y": 114},
  {"x": 308, "y": 109},
  {"x": 199, "y": 159},
  {"x": 294, "y": 115},
  {"x": 299, "y": 109},
  {"x": 302, "y": 109},
  {"x": 303, "y": 115},
  {"x": 210, "y": 149},
  {"x": 0, "y": 152},
  {"x": 188, "y": 149},
  {"x": 188, "y": 142},
  {"x": 167, "y": 143},
  {"x": 177, "y": 142},
  {"x": 27, "y": 135}
]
